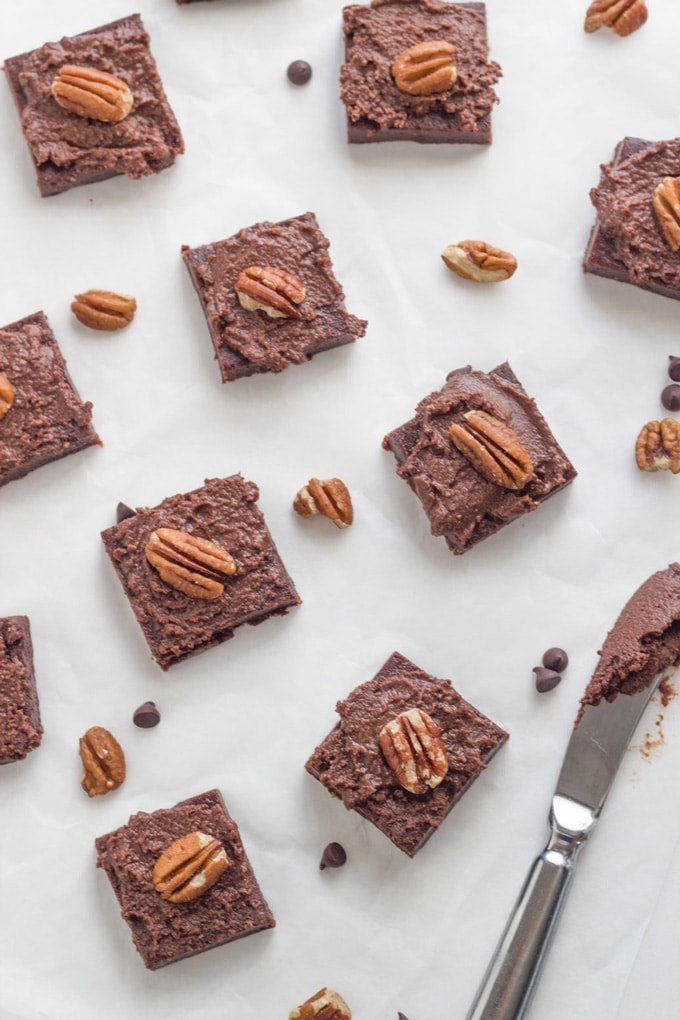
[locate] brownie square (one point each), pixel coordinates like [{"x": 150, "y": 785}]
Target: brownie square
[
  {"x": 460, "y": 503},
  {"x": 626, "y": 243},
  {"x": 247, "y": 342},
  {"x": 225, "y": 512},
  {"x": 351, "y": 765},
  {"x": 47, "y": 420},
  {"x": 377, "y": 111},
  {"x": 165, "y": 932},
  {"x": 69, "y": 150},
  {"x": 20, "y": 727}
]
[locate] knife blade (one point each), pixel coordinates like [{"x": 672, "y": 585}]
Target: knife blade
[{"x": 590, "y": 764}]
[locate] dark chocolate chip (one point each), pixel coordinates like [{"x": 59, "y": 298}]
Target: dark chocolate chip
[
  {"x": 334, "y": 856},
  {"x": 556, "y": 659},
  {"x": 402, "y": 1016},
  {"x": 147, "y": 715},
  {"x": 123, "y": 511},
  {"x": 299, "y": 72},
  {"x": 546, "y": 679},
  {"x": 674, "y": 368},
  {"x": 670, "y": 397}
]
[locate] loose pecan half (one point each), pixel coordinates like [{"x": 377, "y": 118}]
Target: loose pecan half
[
  {"x": 88, "y": 92},
  {"x": 104, "y": 309},
  {"x": 414, "y": 750},
  {"x": 330, "y": 498},
  {"x": 270, "y": 290},
  {"x": 190, "y": 564},
  {"x": 494, "y": 449},
  {"x": 479, "y": 261},
  {"x": 425, "y": 69},
  {"x": 658, "y": 446},
  {"x": 324, "y": 1005},
  {"x": 622, "y": 16},
  {"x": 6, "y": 395},
  {"x": 103, "y": 762},
  {"x": 666, "y": 204},
  {"x": 189, "y": 867}
]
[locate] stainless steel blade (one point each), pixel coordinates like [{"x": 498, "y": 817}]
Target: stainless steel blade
[
  {"x": 597, "y": 746},
  {"x": 593, "y": 756}
]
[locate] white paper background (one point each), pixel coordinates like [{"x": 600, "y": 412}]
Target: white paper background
[{"x": 391, "y": 934}]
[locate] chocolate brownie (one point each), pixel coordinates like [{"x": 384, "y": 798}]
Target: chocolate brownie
[
  {"x": 351, "y": 765},
  {"x": 644, "y": 641},
  {"x": 378, "y": 111},
  {"x": 247, "y": 342},
  {"x": 20, "y": 727},
  {"x": 46, "y": 419},
  {"x": 165, "y": 932},
  {"x": 461, "y": 504},
  {"x": 69, "y": 150},
  {"x": 224, "y": 512},
  {"x": 626, "y": 243}
]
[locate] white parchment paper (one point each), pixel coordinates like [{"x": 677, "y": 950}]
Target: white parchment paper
[{"x": 389, "y": 933}]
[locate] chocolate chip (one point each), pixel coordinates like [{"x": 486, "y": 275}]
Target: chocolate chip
[
  {"x": 674, "y": 368},
  {"x": 546, "y": 679},
  {"x": 123, "y": 511},
  {"x": 402, "y": 1016},
  {"x": 556, "y": 659},
  {"x": 334, "y": 856},
  {"x": 670, "y": 397},
  {"x": 146, "y": 716},
  {"x": 299, "y": 72}
]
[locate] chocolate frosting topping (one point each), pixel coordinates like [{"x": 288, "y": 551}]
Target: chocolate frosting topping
[
  {"x": 379, "y": 33},
  {"x": 644, "y": 641},
  {"x": 455, "y": 496},
  {"x": 623, "y": 200},
  {"x": 272, "y": 344},
  {"x": 145, "y": 142}
]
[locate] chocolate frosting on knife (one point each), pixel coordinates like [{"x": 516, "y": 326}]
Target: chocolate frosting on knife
[{"x": 644, "y": 641}]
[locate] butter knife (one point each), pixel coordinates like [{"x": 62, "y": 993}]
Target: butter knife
[{"x": 594, "y": 753}]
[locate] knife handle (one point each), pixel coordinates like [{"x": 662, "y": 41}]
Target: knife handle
[{"x": 512, "y": 975}]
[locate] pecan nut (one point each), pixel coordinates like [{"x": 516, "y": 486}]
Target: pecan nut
[
  {"x": 494, "y": 449},
  {"x": 622, "y": 16},
  {"x": 189, "y": 867},
  {"x": 88, "y": 92},
  {"x": 103, "y": 762},
  {"x": 190, "y": 564},
  {"x": 6, "y": 395},
  {"x": 270, "y": 290},
  {"x": 658, "y": 446},
  {"x": 330, "y": 498},
  {"x": 413, "y": 748},
  {"x": 425, "y": 69},
  {"x": 479, "y": 261},
  {"x": 666, "y": 204},
  {"x": 104, "y": 309},
  {"x": 323, "y": 1005}
]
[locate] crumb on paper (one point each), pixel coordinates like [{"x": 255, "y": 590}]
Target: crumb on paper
[
  {"x": 652, "y": 741},
  {"x": 667, "y": 691}
]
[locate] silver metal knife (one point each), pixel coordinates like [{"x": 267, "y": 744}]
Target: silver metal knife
[{"x": 593, "y": 756}]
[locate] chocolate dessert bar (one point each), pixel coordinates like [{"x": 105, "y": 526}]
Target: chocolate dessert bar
[
  {"x": 249, "y": 339},
  {"x": 69, "y": 149},
  {"x": 381, "y": 107},
  {"x": 230, "y": 572},
  {"x": 627, "y": 242},
  {"x": 42, "y": 418},
  {"x": 351, "y": 763},
  {"x": 464, "y": 500},
  {"x": 20, "y": 727},
  {"x": 164, "y": 931},
  {"x": 644, "y": 641}
]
